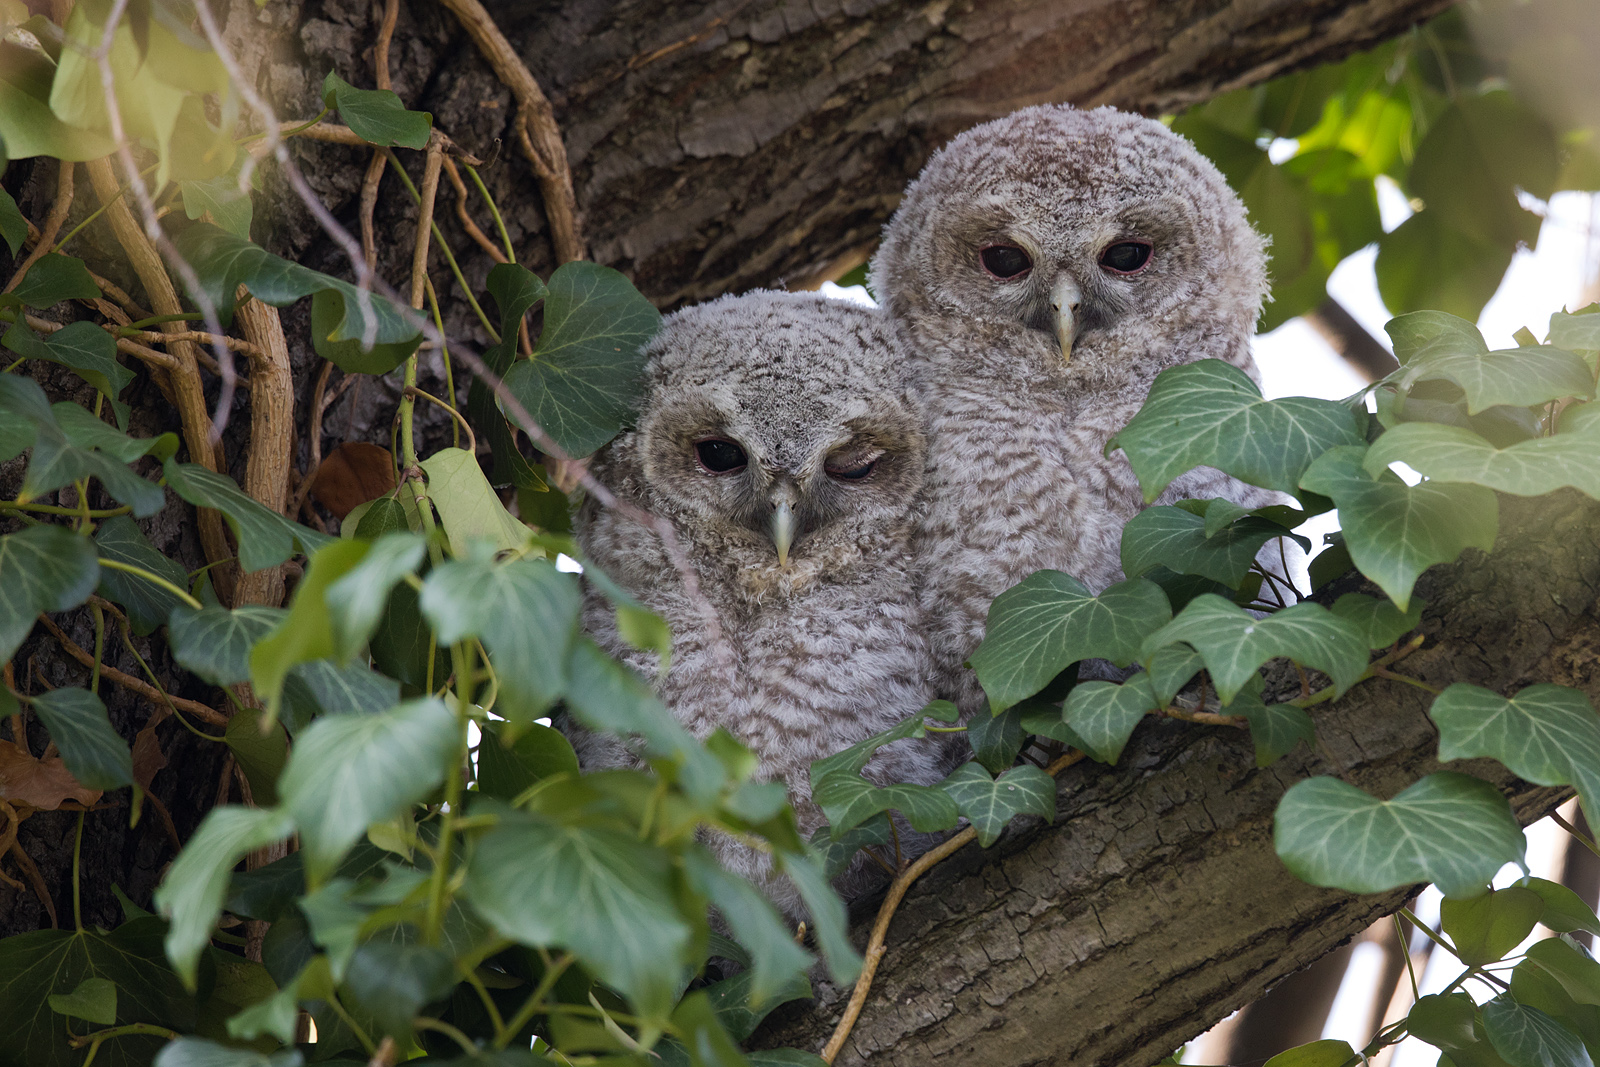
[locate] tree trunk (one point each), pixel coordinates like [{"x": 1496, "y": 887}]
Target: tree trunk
[{"x": 1156, "y": 905}]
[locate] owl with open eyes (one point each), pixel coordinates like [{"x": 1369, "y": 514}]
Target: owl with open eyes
[
  {"x": 1042, "y": 270},
  {"x": 781, "y": 440}
]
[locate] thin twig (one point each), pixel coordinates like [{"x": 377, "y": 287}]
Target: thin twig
[
  {"x": 472, "y": 438},
  {"x": 536, "y": 128},
  {"x": 477, "y": 235},
  {"x": 52, "y": 222},
  {"x": 886, "y": 910},
  {"x": 128, "y": 681},
  {"x": 430, "y": 195}
]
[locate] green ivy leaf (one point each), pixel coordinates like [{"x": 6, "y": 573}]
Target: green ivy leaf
[
  {"x": 83, "y": 348},
  {"x": 1324, "y": 1053},
  {"x": 225, "y": 261},
  {"x": 1170, "y": 669},
  {"x": 1548, "y": 734},
  {"x": 1176, "y": 538},
  {"x": 1102, "y": 715},
  {"x": 848, "y": 799},
  {"x": 1421, "y": 336},
  {"x": 230, "y": 209},
  {"x": 586, "y": 376},
  {"x": 42, "y": 568},
  {"x": 1426, "y": 262},
  {"x": 828, "y": 915},
  {"x": 265, "y": 538},
  {"x": 990, "y": 803},
  {"x": 1445, "y": 1021},
  {"x": 1526, "y": 468},
  {"x": 837, "y": 853},
  {"x": 1475, "y": 155},
  {"x": 321, "y": 688},
  {"x": 259, "y": 755},
  {"x": 1575, "y": 333},
  {"x": 1575, "y": 971},
  {"x": 1564, "y": 910},
  {"x": 1448, "y": 828},
  {"x": 95, "y": 1000},
  {"x": 191, "y": 894},
  {"x": 1527, "y": 1037},
  {"x": 198, "y": 1052},
  {"x": 525, "y": 611},
  {"x": 1514, "y": 377},
  {"x": 357, "y": 600},
  {"x": 54, "y": 278},
  {"x": 1235, "y": 644},
  {"x": 377, "y": 115},
  {"x": 93, "y": 752},
  {"x": 306, "y": 632},
  {"x": 515, "y": 289},
  {"x": 13, "y": 226},
  {"x": 1274, "y": 728},
  {"x": 740, "y": 1013},
  {"x": 148, "y": 605},
  {"x": 27, "y": 124},
  {"x": 1486, "y": 927},
  {"x": 215, "y": 643},
  {"x": 996, "y": 739},
  {"x": 43, "y": 963},
  {"x": 776, "y": 961},
  {"x": 349, "y": 771},
  {"x": 1380, "y": 622},
  {"x": 1209, "y": 413},
  {"x": 855, "y": 757},
  {"x": 391, "y": 981},
  {"x": 1048, "y": 621},
  {"x": 468, "y": 506},
  {"x": 329, "y": 321},
  {"x": 1393, "y": 531},
  {"x": 604, "y": 695},
  {"x": 506, "y": 769},
  {"x": 603, "y": 895},
  {"x": 59, "y": 460}
]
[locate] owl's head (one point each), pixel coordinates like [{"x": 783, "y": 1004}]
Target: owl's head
[
  {"x": 776, "y": 434},
  {"x": 1084, "y": 238}
]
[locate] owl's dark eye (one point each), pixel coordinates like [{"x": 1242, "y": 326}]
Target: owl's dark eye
[
  {"x": 720, "y": 456},
  {"x": 1126, "y": 257},
  {"x": 1005, "y": 261},
  {"x": 851, "y": 469}
]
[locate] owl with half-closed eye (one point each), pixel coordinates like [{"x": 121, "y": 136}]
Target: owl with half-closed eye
[
  {"x": 779, "y": 439},
  {"x": 1041, "y": 271}
]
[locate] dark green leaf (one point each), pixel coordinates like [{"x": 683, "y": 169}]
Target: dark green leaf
[
  {"x": 1048, "y": 621},
  {"x": 605, "y": 896},
  {"x": 1527, "y": 1037},
  {"x": 54, "y": 278},
  {"x": 13, "y": 226},
  {"x": 1380, "y": 622},
  {"x": 848, "y": 799},
  {"x": 265, "y": 538},
  {"x": 838, "y": 853},
  {"x": 224, "y": 261},
  {"x": 1486, "y": 927},
  {"x": 148, "y": 605},
  {"x": 391, "y": 981},
  {"x": 402, "y": 646},
  {"x": 515, "y": 289},
  {"x": 1211, "y": 414},
  {"x": 584, "y": 380},
  {"x": 1426, "y": 262},
  {"x": 990, "y": 803},
  {"x": 93, "y": 752},
  {"x": 525, "y": 611},
  {"x": 828, "y": 917},
  {"x": 42, "y": 568},
  {"x": 320, "y": 688},
  {"x": 1274, "y": 728},
  {"x": 82, "y": 347},
  {"x": 1514, "y": 377},
  {"x": 1170, "y": 670},
  {"x": 191, "y": 894},
  {"x": 377, "y": 115},
  {"x": 1548, "y": 734},
  {"x": 740, "y": 1012},
  {"x": 215, "y": 643},
  {"x": 1102, "y": 715},
  {"x": 1324, "y": 1053},
  {"x": 1235, "y": 644},
  {"x": 996, "y": 739},
  {"x": 1474, "y": 157},
  {"x": 1445, "y": 1022},
  {"x": 856, "y": 756},
  {"x": 1177, "y": 539},
  {"x": 776, "y": 961},
  {"x": 1333, "y": 562},
  {"x": 1393, "y": 531},
  {"x": 259, "y": 755},
  {"x": 59, "y": 460},
  {"x": 349, "y": 771},
  {"x": 505, "y": 770},
  {"x": 1574, "y": 970},
  {"x": 1447, "y": 828}
]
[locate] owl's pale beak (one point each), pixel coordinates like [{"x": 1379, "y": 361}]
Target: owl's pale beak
[
  {"x": 782, "y": 527},
  {"x": 1064, "y": 301}
]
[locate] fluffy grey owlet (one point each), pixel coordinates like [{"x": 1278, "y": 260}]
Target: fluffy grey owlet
[
  {"x": 1043, "y": 269},
  {"x": 779, "y": 439}
]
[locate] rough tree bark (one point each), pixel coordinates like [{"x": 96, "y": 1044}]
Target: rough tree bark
[{"x": 722, "y": 145}]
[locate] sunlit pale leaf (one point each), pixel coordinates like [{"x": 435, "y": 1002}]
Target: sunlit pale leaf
[
  {"x": 1527, "y": 468},
  {"x": 306, "y": 633},
  {"x": 1527, "y": 1037},
  {"x": 468, "y": 506},
  {"x": 1448, "y": 828}
]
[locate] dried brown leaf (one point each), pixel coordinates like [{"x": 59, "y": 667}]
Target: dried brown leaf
[
  {"x": 39, "y": 783},
  {"x": 351, "y": 475}
]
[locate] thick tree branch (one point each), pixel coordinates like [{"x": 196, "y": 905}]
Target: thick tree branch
[{"x": 1155, "y": 905}]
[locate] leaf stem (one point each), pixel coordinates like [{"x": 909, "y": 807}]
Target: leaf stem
[
  {"x": 1582, "y": 838},
  {"x": 424, "y": 1022},
  {"x": 153, "y": 579},
  {"x": 450, "y": 257},
  {"x": 494, "y": 209},
  {"x": 52, "y": 509},
  {"x": 129, "y": 1030},
  {"x": 530, "y": 1007},
  {"x": 77, "y": 869},
  {"x": 1405, "y": 950},
  {"x": 1428, "y": 930}
]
